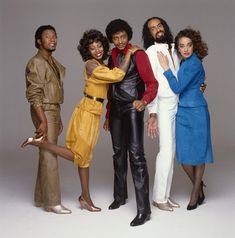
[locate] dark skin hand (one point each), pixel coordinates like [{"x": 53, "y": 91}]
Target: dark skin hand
[
  {"x": 203, "y": 87},
  {"x": 139, "y": 105},
  {"x": 106, "y": 125},
  {"x": 43, "y": 127}
]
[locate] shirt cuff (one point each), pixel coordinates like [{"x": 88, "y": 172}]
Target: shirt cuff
[{"x": 152, "y": 109}]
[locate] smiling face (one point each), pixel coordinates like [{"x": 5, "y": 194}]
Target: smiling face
[
  {"x": 185, "y": 47},
  {"x": 96, "y": 50},
  {"x": 48, "y": 41},
  {"x": 157, "y": 30},
  {"x": 120, "y": 40}
]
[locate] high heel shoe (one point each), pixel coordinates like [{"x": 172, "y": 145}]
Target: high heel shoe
[
  {"x": 30, "y": 141},
  {"x": 192, "y": 207},
  {"x": 201, "y": 197},
  {"x": 84, "y": 205}
]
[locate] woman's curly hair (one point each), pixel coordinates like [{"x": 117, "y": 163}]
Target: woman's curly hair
[
  {"x": 199, "y": 46},
  {"x": 90, "y": 37}
]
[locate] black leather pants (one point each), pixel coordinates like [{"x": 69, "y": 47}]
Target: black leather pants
[{"x": 127, "y": 131}]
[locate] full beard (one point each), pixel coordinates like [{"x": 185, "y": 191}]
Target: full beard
[{"x": 162, "y": 39}]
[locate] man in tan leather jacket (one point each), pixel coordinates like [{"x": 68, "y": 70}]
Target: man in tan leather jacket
[{"x": 44, "y": 91}]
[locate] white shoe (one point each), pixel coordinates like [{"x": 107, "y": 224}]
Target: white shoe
[
  {"x": 58, "y": 209},
  {"x": 173, "y": 203},
  {"x": 164, "y": 206}
]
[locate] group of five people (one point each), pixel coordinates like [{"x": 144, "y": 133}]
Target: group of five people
[{"x": 132, "y": 80}]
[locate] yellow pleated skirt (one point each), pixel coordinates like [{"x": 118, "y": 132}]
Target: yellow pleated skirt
[{"x": 83, "y": 131}]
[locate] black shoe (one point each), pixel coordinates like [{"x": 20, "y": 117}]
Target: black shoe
[
  {"x": 192, "y": 207},
  {"x": 140, "y": 219},
  {"x": 201, "y": 197},
  {"x": 116, "y": 204}
]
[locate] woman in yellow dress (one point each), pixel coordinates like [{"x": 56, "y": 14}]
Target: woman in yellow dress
[{"x": 83, "y": 128}]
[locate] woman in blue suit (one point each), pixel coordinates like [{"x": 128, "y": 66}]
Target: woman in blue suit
[{"x": 193, "y": 140}]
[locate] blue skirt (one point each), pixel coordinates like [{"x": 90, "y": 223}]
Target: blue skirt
[{"x": 193, "y": 138}]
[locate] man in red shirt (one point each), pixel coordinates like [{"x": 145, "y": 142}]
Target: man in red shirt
[{"x": 125, "y": 119}]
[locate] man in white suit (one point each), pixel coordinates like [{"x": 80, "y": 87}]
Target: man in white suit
[{"x": 157, "y": 37}]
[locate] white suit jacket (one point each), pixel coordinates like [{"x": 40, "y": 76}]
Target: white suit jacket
[{"x": 164, "y": 90}]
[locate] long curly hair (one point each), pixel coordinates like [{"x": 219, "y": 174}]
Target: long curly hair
[
  {"x": 147, "y": 38},
  {"x": 118, "y": 25},
  {"x": 90, "y": 37},
  {"x": 199, "y": 46}
]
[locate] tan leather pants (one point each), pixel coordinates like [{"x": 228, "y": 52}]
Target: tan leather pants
[{"x": 47, "y": 189}]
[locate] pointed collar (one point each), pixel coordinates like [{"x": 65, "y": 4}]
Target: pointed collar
[{"x": 115, "y": 53}]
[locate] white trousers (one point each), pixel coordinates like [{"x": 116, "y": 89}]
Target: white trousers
[{"x": 167, "y": 109}]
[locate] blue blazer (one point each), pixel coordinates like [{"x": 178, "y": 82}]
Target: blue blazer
[{"x": 190, "y": 76}]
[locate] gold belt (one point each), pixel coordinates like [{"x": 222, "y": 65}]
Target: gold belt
[{"x": 94, "y": 98}]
